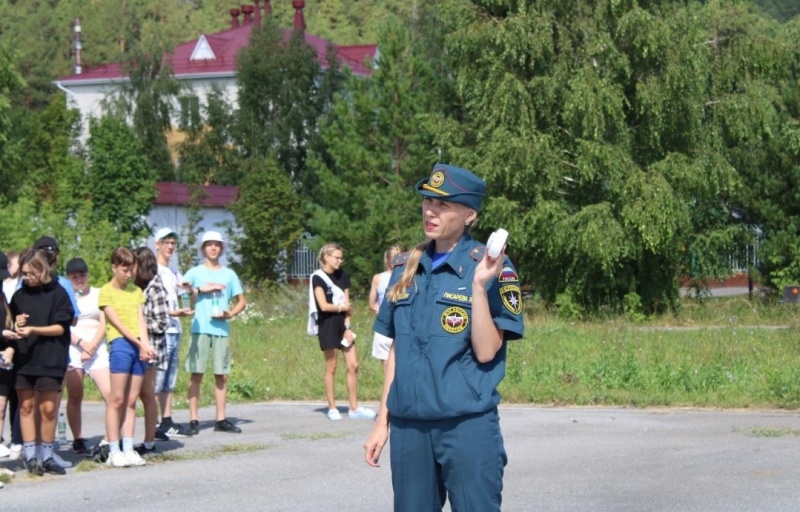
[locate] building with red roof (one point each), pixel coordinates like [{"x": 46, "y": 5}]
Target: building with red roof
[{"x": 208, "y": 60}]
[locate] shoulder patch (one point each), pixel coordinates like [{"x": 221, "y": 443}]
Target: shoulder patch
[
  {"x": 478, "y": 252},
  {"x": 508, "y": 275},
  {"x": 512, "y": 298},
  {"x": 400, "y": 259}
]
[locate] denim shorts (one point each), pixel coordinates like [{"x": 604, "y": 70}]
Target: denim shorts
[
  {"x": 166, "y": 379},
  {"x": 124, "y": 358}
]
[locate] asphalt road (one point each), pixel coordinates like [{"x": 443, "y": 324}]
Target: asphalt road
[{"x": 291, "y": 458}]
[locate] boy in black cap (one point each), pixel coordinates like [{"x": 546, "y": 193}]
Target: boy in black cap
[{"x": 49, "y": 246}]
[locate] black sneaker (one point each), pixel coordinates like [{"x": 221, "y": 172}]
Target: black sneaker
[
  {"x": 226, "y": 426},
  {"x": 79, "y": 446},
  {"x": 194, "y": 427},
  {"x": 161, "y": 436},
  {"x": 143, "y": 450},
  {"x": 34, "y": 468},
  {"x": 100, "y": 453},
  {"x": 177, "y": 430},
  {"x": 52, "y": 467}
]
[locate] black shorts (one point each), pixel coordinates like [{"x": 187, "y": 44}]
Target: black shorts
[
  {"x": 8, "y": 379},
  {"x": 331, "y": 332},
  {"x": 39, "y": 383}
]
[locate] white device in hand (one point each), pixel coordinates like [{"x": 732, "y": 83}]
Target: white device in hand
[
  {"x": 346, "y": 343},
  {"x": 496, "y": 243}
]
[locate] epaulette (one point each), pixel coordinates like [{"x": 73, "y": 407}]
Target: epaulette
[
  {"x": 400, "y": 259},
  {"x": 478, "y": 252}
]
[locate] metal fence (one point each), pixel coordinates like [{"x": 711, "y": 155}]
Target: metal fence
[{"x": 304, "y": 259}]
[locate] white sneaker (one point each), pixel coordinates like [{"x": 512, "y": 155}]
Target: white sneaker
[
  {"x": 334, "y": 415},
  {"x": 4, "y": 451},
  {"x": 61, "y": 462},
  {"x": 118, "y": 460},
  {"x": 16, "y": 451},
  {"x": 362, "y": 413},
  {"x": 134, "y": 459}
]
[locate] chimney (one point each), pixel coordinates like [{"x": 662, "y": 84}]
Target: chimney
[
  {"x": 77, "y": 46},
  {"x": 267, "y": 9},
  {"x": 299, "y": 19},
  {"x": 234, "y": 18},
  {"x": 247, "y": 10},
  {"x": 258, "y": 12}
]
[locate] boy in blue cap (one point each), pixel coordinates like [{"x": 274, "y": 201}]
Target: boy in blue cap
[{"x": 450, "y": 308}]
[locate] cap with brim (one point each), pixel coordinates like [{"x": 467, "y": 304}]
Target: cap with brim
[
  {"x": 4, "y": 273},
  {"x": 211, "y": 236},
  {"x": 77, "y": 266},
  {"x": 47, "y": 243},
  {"x": 164, "y": 233},
  {"x": 453, "y": 184}
]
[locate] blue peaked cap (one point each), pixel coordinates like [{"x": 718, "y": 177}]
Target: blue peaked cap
[{"x": 453, "y": 184}]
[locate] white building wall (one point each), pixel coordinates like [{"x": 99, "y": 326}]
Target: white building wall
[
  {"x": 88, "y": 98},
  {"x": 175, "y": 218}
]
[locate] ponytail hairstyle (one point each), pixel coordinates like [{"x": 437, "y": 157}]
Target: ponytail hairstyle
[
  {"x": 146, "y": 266},
  {"x": 389, "y": 255},
  {"x": 9, "y": 321},
  {"x": 408, "y": 273},
  {"x": 328, "y": 249}
]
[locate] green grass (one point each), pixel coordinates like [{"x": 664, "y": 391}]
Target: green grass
[
  {"x": 726, "y": 352},
  {"x": 171, "y": 456},
  {"x": 774, "y": 432}
]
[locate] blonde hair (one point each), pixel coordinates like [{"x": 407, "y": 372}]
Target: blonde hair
[
  {"x": 327, "y": 250},
  {"x": 408, "y": 273},
  {"x": 389, "y": 255},
  {"x": 38, "y": 263}
]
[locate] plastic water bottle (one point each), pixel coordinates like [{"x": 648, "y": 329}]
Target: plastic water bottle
[
  {"x": 215, "y": 304},
  {"x": 62, "y": 427},
  {"x": 185, "y": 301}
]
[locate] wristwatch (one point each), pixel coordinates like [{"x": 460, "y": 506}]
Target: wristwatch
[{"x": 347, "y": 327}]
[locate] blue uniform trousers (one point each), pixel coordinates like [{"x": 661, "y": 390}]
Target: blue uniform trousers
[{"x": 460, "y": 458}]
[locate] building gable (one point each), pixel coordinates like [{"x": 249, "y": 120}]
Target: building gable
[{"x": 202, "y": 50}]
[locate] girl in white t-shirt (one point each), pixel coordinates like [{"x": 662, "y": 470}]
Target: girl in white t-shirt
[
  {"x": 88, "y": 353},
  {"x": 380, "y": 343}
]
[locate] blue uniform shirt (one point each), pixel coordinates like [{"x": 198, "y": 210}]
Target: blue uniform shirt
[{"x": 436, "y": 373}]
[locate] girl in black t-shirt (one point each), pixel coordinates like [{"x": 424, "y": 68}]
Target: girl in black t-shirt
[
  {"x": 43, "y": 314},
  {"x": 332, "y": 297}
]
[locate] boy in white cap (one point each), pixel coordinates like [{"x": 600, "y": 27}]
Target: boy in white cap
[
  {"x": 166, "y": 243},
  {"x": 213, "y": 286}
]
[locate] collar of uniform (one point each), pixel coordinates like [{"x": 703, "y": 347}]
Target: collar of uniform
[{"x": 457, "y": 258}]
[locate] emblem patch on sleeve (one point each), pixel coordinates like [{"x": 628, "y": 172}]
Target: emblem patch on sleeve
[
  {"x": 508, "y": 275},
  {"x": 512, "y": 298},
  {"x": 454, "y": 320}
]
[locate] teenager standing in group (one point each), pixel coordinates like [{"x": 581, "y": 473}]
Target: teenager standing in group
[
  {"x": 8, "y": 395},
  {"x": 330, "y": 302},
  {"x": 213, "y": 286},
  {"x": 451, "y": 309},
  {"x": 377, "y": 292},
  {"x": 122, "y": 304},
  {"x": 166, "y": 244},
  {"x": 156, "y": 318},
  {"x": 43, "y": 315},
  {"x": 88, "y": 352}
]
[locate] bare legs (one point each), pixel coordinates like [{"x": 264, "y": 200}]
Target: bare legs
[{"x": 351, "y": 360}]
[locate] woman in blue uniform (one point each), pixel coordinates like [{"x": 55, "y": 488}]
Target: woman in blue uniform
[{"x": 450, "y": 309}]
